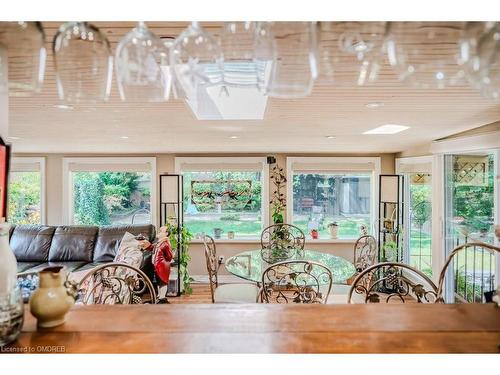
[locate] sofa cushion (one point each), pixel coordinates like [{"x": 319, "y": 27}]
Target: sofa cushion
[
  {"x": 69, "y": 266},
  {"x": 26, "y": 266},
  {"x": 73, "y": 243},
  {"x": 31, "y": 243},
  {"x": 109, "y": 238}
]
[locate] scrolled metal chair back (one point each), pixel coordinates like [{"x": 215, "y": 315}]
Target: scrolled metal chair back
[
  {"x": 365, "y": 252},
  {"x": 280, "y": 242},
  {"x": 116, "y": 283},
  {"x": 482, "y": 253},
  {"x": 296, "y": 281},
  {"x": 212, "y": 264},
  {"x": 393, "y": 282}
]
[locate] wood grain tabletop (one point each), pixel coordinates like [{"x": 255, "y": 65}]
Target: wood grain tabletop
[{"x": 260, "y": 328}]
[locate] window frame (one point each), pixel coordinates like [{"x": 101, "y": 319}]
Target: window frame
[
  {"x": 20, "y": 160},
  {"x": 405, "y": 166},
  {"x": 103, "y": 163},
  {"x": 212, "y": 162},
  {"x": 331, "y": 164}
]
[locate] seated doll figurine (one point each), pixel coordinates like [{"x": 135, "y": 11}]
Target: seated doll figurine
[{"x": 162, "y": 256}]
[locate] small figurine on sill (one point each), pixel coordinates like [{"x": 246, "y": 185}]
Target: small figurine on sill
[{"x": 162, "y": 256}]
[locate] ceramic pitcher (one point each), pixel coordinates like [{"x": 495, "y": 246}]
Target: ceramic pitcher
[{"x": 53, "y": 298}]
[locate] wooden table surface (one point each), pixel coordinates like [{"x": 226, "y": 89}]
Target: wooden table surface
[{"x": 260, "y": 328}]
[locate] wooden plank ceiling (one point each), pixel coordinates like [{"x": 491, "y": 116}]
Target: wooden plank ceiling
[{"x": 294, "y": 126}]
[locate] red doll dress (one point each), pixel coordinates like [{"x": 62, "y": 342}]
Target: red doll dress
[{"x": 161, "y": 259}]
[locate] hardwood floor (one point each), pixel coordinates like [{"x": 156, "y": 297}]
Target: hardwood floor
[{"x": 201, "y": 294}]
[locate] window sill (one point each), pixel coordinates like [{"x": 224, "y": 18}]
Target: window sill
[{"x": 255, "y": 240}]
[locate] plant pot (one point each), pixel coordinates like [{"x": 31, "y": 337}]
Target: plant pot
[
  {"x": 333, "y": 229},
  {"x": 218, "y": 233}
]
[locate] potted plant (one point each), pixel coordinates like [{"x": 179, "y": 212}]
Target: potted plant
[
  {"x": 278, "y": 200},
  {"x": 390, "y": 251},
  {"x": 185, "y": 239},
  {"x": 333, "y": 228}
]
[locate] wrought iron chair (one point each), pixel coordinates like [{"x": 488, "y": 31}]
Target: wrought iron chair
[
  {"x": 482, "y": 253},
  {"x": 280, "y": 242},
  {"x": 365, "y": 252},
  {"x": 116, "y": 283},
  {"x": 392, "y": 282},
  {"x": 227, "y": 293},
  {"x": 296, "y": 281}
]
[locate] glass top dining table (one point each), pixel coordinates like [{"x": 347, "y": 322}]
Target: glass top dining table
[{"x": 249, "y": 265}]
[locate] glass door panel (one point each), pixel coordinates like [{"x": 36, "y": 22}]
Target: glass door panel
[
  {"x": 469, "y": 208},
  {"x": 419, "y": 219}
]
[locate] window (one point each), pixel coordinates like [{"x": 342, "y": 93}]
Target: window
[
  {"x": 325, "y": 191},
  {"x": 470, "y": 215},
  {"x": 418, "y": 211},
  {"x": 224, "y": 197},
  {"x": 109, "y": 191},
  {"x": 26, "y": 191}
]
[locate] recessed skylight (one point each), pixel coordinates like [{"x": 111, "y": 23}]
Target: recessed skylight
[
  {"x": 124, "y": 137},
  {"x": 387, "y": 129},
  {"x": 63, "y": 106},
  {"x": 234, "y": 137},
  {"x": 374, "y": 105}
]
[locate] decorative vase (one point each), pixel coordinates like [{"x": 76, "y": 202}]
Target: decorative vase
[
  {"x": 53, "y": 298},
  {"x": 334, "y": 229},
  {"x": 314, "y": 234},
  {"x": 218, "y": 233},
  {"x": 11, "y": 301}
]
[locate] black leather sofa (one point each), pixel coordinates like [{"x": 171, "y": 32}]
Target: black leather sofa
[{"x": 76, "y": 247}]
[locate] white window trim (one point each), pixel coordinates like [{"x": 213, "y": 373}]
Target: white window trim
[
  {"x": 41, "y": 162},
  {"x": 211, "y": 161},
  {"x": 478, "y": 142},
  {"x": 437, "y": 189},
  {"x": 104, "y": 161},
  {"x": 376, "y": 161}
]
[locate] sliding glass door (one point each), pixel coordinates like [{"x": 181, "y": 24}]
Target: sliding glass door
[
  {"x": 469, "y": 217},
  {"x": 417, "y": 172},
  {"x": 419, "y": 221}
]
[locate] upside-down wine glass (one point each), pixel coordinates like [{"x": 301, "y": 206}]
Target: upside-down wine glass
[
  {"x": 350, "y": 52},
  {"x": 23, "y": 43},
  {"x": 83, "y": 62},
  {"x": 195, "y": 60},
  {"x": 295, "y": 67},
  {"x": 142, "y": 66},
  {"x": 247, "y": 48},
  {"x": 480, "y": 54},
  {"x": 425, "y": 54}
]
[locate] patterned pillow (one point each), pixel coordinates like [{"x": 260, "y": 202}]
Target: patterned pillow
[{"x": 130, "y": 251}]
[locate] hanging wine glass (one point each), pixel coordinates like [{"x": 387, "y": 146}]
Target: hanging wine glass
[
  {"x": 83, "y": 62},
  {"x": 195, "y": 60},
  {"x": 425, "y": 54},
  {"x": 142, "y": 66},
  {"x": 350, "y": 52},
  {"x": 294, "y": 69},
  {"x": 243, "y": 46},
  {"x": 24, "y": 42},
  {"x": 480, "y": 54},
  {"x": 264, "y": 53}
]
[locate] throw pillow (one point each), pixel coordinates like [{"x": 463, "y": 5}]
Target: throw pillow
[{"x": 129, "y": 251}]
